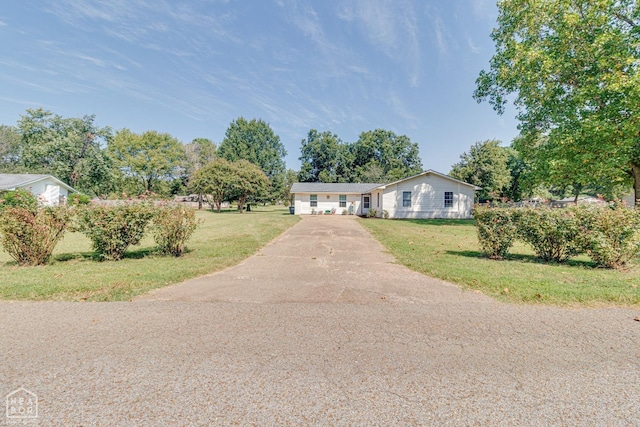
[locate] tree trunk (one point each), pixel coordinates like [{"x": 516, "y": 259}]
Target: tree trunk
[
  {"x": 199, "y": 201},
  {"x": 635, "y": 172}
]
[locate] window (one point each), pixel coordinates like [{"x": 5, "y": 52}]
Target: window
[
  {"x": 406, "y": 199},
  {"x": 448, "y": 199},
  {"x": 313, "y": 198},
  {"x": 343, "y": 200},
  {"x": 366, "y": 202}
]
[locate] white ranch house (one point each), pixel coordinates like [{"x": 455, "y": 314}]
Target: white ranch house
[
  {"x": 429, "y": 194},
  {"x": 48, "y": 189}
]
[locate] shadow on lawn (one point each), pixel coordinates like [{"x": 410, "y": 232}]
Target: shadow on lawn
[
  {"x": 92, "y": 256},
  {"x": 529, "y": 259}
]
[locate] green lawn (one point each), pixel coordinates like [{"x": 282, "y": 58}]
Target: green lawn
[
  {"x": 448, "y": 249},
  {"x": 223, "y": 240}
]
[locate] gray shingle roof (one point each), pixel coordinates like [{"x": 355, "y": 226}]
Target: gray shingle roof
[
  {"x": 324, "y": 187},
  {"x": 9, "y": 181}
]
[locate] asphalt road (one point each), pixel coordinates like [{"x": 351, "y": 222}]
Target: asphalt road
[{"x": 320, "y": 328}]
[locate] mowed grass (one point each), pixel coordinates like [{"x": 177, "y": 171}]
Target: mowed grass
[
  {"x": 222, "y": 240},
  {"x": 449, "y": 250}
]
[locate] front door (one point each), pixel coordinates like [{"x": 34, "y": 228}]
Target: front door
[{"x": 366, "y": 203}]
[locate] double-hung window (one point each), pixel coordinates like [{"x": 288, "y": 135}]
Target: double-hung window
[
  {"x": 343, "y": 200},
  {"x": 406, "y": 199},
  {"x": 313, "y": 200},
  {"x": 448, "y": 199}
]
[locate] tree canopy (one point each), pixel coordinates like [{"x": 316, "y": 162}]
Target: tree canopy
[
  {"x": 254, "y": 140},
  {"x": 377, "y": 156},
  {"x": 149, "y": 157},
  {"x": 572, "y": 66},
  {"x": 69, "y": 148},
  {"x": 485, "y": 165}
]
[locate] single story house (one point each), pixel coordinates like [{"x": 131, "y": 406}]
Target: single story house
[
  {"x": 48, "y": 189},
  {"x": 429, "y": 194}
]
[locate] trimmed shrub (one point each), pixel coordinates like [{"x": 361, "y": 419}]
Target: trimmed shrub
[
  {"x": 610, "y": 236},
  {"x": 112, "y": 229},
  {"x": 552, "y": 233},
  {"x": 18, "y": 199},
  {"x": 385, "y": 214},
  {"x": 372, "y": 213},
  {"x": 79, "y": 199},
  {"x": 496, "y": 230},
  {"x": 172, "y": 227},
  {"x": 30, "y": 235}
]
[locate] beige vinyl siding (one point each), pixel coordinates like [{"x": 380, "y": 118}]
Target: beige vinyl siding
[{"x": 302, "y": 203}]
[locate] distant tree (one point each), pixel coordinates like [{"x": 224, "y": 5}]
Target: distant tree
[
  {"x": 149, "y": 157},
  {"x": 573, "y": 68},
  {"x": 216, "y": 181},
  {"x": 72, "y": 149},
  {"x": 291, "y": 177},
  {"x": 9, "y": 149},
  {"x": 256, "y": 142},
  {"x": 198, "y": 153},
  {"x": 321, "y": 155},
  {"x": 396, "y": 155},
  {"x": 249, "y": 182},
  {"x": 485, "y": 165}
]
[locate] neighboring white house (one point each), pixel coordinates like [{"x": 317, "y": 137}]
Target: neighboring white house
[
  {"x": 48, "y": 189},
  {"x": 429, "y": 194}
]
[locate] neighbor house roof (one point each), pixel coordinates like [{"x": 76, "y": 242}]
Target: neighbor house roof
[
  {"x": 11, "y": 181},
  {"x": 430, "y": 172},
  {"x": 326, "y": 187}
]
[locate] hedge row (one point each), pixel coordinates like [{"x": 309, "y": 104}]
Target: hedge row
[
  {"x": 610, "y": 236},
  {"x": 30, "y": 233}
]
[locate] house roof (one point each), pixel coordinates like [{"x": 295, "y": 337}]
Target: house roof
[
  {"x": 430, "y": 172},
  {"x": 11, "y": 181},
  {"x": 362, "y": 188},
  {"x": 326, "y": 187}
]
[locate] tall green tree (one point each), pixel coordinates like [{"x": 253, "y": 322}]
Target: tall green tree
[
  {"x": 198, "y": 153},
  {"x": 322, "y": 157},
  {"x": 485, "y": 165},
  {"x": 149, "y": 158},
  {"x": 573, "y": 68},
  {"x": 395, "y": 155},
  {"x": 250, "y": 183},
  {"x": 254, "y": 140},
  {"x": 215, "y": 181},
  {"x": 72, "y": 149}
]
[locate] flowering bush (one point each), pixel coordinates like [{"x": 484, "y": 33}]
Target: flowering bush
[
  {"x": 610, "y": 236},
  {"x": 496, "y": 230},
  {"x": 30, "y": 235},
  {"x": 552, "y": 233},
  {"x": 18, "y": 198},
  {"x": 112, "y": 229},
  {"x": 172, "y": 227}
]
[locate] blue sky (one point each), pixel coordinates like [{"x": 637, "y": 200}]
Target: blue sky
[{"x": 189, "y": 68}]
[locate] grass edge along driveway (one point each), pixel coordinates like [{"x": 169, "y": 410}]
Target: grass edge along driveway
[
  {"x": 449, "y": 250},
  {"x": 224, "y": 239}
]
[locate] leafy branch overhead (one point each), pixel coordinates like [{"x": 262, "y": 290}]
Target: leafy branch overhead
[{"x": 572, "y": 67}]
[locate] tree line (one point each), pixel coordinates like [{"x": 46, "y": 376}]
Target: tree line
[{"x": 247, "y": 166}]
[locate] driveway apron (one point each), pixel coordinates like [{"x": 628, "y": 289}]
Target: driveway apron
[{"x": 321, "y": 327}]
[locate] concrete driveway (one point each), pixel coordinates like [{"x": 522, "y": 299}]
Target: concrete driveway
[{"x": 321, "y": 328}]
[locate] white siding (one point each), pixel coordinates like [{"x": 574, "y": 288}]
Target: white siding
[
  {"x": 47, "y": 190},
  {"x": 303, "y": 203},
  {"x": 427, "y": 198}
]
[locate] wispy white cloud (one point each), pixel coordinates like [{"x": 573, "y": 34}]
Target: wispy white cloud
[
  {"x": 390, "y": 26},
  {"x": 2, "y": 23}
]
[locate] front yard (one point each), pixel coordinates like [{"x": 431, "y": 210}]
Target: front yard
[
  {"x": 448, "y": 249},
  {"x": 221, "y": 241}
]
